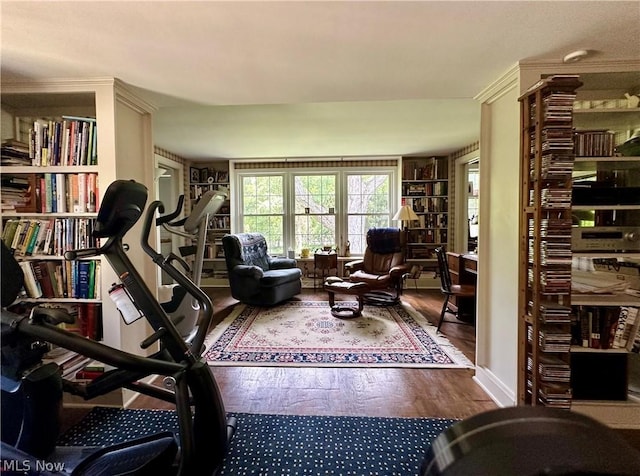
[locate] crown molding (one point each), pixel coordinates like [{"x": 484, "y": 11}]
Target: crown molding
[
  {"x": 500, "y": 86},
  {"x": 131, "y": 99},
  {"x": 55, "y": 84},
  {"x": 586, "y": 66}
]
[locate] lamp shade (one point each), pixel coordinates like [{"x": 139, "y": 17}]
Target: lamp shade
[{"x": 405, "y": 213}]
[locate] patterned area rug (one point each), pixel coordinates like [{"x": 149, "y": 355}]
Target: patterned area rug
[
  {"x": 275, "y": 445},
  {"x": 306, "y": 334}
]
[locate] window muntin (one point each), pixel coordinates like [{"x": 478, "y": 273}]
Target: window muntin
[
  {"x": 263, "y": 209},
  {"x": 368, "y": 206},
  {"x": 342, "y": 205},
  {"x": 314, "y": 208}
]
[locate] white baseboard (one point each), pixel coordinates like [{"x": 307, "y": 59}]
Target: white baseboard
[{"x": 497, "y": 391}]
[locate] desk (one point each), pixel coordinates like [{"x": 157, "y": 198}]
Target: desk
[{"x": 464, "y": 270}]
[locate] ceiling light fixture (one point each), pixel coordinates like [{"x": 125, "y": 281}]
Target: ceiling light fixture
[{"x": 575, "y": 56}]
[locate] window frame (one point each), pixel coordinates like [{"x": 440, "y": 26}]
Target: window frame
[{"x": 341, "y": 213}]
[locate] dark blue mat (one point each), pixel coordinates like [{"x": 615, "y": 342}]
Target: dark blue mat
[{"x": 277, "y": 445}]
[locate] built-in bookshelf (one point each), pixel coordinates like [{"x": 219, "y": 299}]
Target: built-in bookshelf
[
  {"x": 544, "y": 321},
  {"x": 580, "y": 253},
  {"x": 425, "y": 187},
  {"x": 215, "y": 176},
  {"x": 606, "y": 262},
  {"x": 49, "y": 190},
  {"x": 57, "y": 159}
]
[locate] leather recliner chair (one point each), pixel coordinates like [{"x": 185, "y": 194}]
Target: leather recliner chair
[
  {"x": 255, "y": 277},
  {"x": 382, "y": 267}
]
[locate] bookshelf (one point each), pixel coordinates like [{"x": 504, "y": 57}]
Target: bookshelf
[
  {"x": 213, "y": 177},
  {"x": 606, "y": 262},
  {"x": 580, "y": 214},
  {"x": 544, "y": 323},
  {"x": 425, "y": 187},
  {"x": 86, "y": 134}
]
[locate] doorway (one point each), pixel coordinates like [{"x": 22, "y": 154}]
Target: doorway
[
  {"x": 467, "y": 203},
  {"x": 169, "y": 186}
]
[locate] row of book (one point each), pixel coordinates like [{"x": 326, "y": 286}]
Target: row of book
[
  {"x": 431, "y": 220},
  {"x": 426, "y": 169},
  {"x": 17, "y": 193},
  {"x": 50, "y": 193},
  {"x": 73, "y": 366},
  {"x": 424, "y": 188},
  {"x": 594, "y": 143},
  {"x": 70, "y": 140},
  {"x": 196, "y": 191},
  {"x": 561, "y": 145},
  {"x": 86, "y": 318},
  {"x": 219, "y": 222},
  {"x": 53, "y": 236},
  {"x": 427, "y": 236},
  {"x": 606, "y": 327},
  {"x": 61, "y": 279},
  {"x": 427, "y": 204}
]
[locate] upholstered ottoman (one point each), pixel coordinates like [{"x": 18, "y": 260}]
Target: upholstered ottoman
[{"x": 334, "y": 285}]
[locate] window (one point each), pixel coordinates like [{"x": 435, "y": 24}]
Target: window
[
  {"x": 263, "y": 209},
  {"x": 368, "y": 206},
  {"x": 312, "y": 207}
]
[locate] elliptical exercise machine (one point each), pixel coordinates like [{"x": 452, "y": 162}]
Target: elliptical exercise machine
[
  {"x": 184, "y": 308},
  {"x": 204, "y": 429}
]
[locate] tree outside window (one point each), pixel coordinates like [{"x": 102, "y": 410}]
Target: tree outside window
[{"x": 317, "y": 209}]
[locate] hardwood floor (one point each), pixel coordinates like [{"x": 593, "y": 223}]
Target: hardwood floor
[
  {"x": 442, "y": 393},
  {"x": 445, "y": 393}
]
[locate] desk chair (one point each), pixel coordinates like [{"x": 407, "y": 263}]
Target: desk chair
[
  {"x": 323, "y": 263},
  {"x": 448, "y": 289}
]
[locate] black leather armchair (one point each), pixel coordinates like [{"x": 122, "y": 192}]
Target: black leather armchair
[{"x": 255, "y": 277}]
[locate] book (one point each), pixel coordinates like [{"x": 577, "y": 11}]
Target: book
[
  {"x": 82, "y": 193},
  {"x": 48, "y": 239},
  {"x": 625, "y": 327},
  {"x": 608, "y": 322},
  {"x": 18, "y": 232},
  {"x": 41, "y": 272},
  {"x": 82, "y": 290},
  {"x": 52, "y": 274},
  {"x": 30, "y": 283},
  {"x": 48, "y": 193},
  {"x": 90, "y": 320},
  {"x": 92, "y": 192},
  {"x": 84, "y": 374},
  {"x": 634, "y": 343},
  {"x": 61, "y": 193},
  {"x": 26, "y": 238},
  {"x": 9, "y": 231},
  {"x": 42, "y": 234},
  {"x": 91, "y": 288},
  {"x": 594, "y": 321},
  {"x": 33, "y": 238}
]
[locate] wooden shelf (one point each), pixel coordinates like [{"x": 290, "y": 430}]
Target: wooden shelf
[{"x": 604, "y": 300}]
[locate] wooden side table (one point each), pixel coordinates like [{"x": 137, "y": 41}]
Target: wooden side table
[{"x": 324, "y": 262}]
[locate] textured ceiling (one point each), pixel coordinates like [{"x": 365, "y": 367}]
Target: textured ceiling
[{"x": 281, "y": 79}]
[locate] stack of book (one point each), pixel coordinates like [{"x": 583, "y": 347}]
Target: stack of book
[{"x": 14, "y": 153}]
